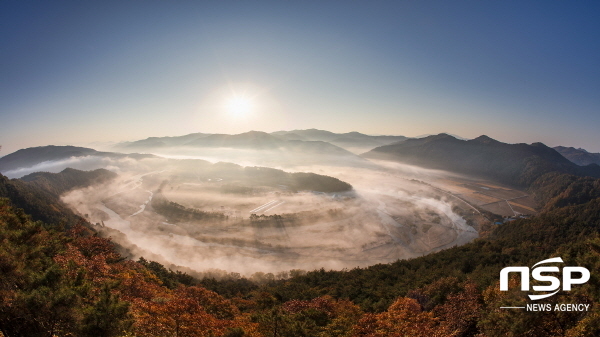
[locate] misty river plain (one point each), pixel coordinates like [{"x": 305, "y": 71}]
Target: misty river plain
[{"x": 182, "y": 216}]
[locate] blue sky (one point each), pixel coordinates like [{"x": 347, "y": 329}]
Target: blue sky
[{"x": 74, "y": 72}]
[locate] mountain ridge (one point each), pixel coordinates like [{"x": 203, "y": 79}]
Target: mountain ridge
[
  {"x": 269, "y": 148},
  {"x": 579, "y": 156},
  {"x": 31, "y": 156},
  {"x": 345, "y": 140},
  {"x": 517, "y": 164},
  {"x": 38, "y": 195}
]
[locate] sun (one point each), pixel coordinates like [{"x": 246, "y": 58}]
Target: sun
[{"x": 239, "y": 106}]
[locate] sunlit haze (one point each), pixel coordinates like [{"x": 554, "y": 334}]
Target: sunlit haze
[{"x": 84, "y": 73}]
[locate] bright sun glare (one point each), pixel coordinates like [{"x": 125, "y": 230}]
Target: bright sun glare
[{"x": 239, "y": 106}]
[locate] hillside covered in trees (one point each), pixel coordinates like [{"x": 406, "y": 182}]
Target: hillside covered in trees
[
  {"x": 59, "y": 282},
  {"x": 38, "y": 193},
  {"x": 513, "y": 164},
  {"x": 579, "y": 156}
]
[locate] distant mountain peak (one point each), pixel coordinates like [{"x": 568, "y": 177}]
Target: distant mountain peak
[
  {"x": 28, "y": 158},
  {"x": 540, "y": 144},
  {"x": 518, "y": 164},
  {"x": 579, "y": 156},
  {"x": 570, "y": 148},
  {"x": 253, "y": 132},
  {"x": 442, "y": 133},
  {"x": 440, "y": 136},
  {"x": 485, "y": 140}
]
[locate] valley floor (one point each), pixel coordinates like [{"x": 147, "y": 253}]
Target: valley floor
[{"x": 386, "y": 217}]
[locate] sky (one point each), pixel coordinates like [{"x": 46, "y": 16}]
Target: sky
[{"x": 78, "y": 72}]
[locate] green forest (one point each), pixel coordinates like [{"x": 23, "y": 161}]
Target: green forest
[{"x": 59, "y": 278}]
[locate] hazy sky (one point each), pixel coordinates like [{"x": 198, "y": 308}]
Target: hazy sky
[{"x": 73, "y": 72}]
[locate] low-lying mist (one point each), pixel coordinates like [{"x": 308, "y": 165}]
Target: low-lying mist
[{"x": 206, "y": 216}]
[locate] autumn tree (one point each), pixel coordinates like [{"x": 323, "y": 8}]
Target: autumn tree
[
  {"x": 460, "y": 313},
  {"x": 403, "y": 318}
]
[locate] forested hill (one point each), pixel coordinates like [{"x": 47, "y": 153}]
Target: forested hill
[
  {"x": 67, "y": 179},
  {"x": 32, "y": 156},
  {"x": 456, "y": 290},
  {"x": 252, "y": 140},
  {"x": 38, "y": 193},
  {"x": 253, "y": 175},
  {"x": 580, "y": 157},
  {"x": 74, "y": 283},
  {"x": 514, "y": 164}
]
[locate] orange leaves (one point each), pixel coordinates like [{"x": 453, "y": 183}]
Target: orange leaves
[
  {"x": 212, "y": 302},
  {"x": 368, "y": 326},
  {"x": 173, "y": 315},
  {"x": 323, "y": 304},
  {"x": 156, "y": 310},
  {"x": 461, "y": 312},
  {"x": 92, "y": 245},
  {"x": 186, "y": 311},
  {"x": 73, "y": 260},
  {"x": 92, "y": 254},
  {"x": 139, "y": 285},
  {"x": 403, "y": 318}
]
